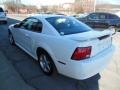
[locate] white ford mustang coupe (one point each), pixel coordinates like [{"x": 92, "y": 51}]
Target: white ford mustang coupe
[{"x": 63, "y": 44}]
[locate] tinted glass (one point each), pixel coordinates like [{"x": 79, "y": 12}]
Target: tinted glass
[
  {"x": 26, "y": 24},
  {"x": 102, "y": 16},
  {"x": 1, "y": 10},
  {"x": 32, "y": 25},
  {"x": 93, "y": 16},
  {"x": 36, "y": 26},
  {"x": 67, "y": 25},
  {"x": 113, "y": 17}
]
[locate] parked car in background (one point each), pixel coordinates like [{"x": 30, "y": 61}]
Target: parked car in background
[
  {"x": 64, "y": 44},
  {"x": 79, "y": 15},
  {"x": 3, "y": 17},
  {"x": 101, "y": 20},
  {"x": 42, "y": 13}
]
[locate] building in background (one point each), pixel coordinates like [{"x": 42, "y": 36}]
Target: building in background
[
  {"x": 87, "y": 5},
  {"x": 67, "y": 8},
  {"x": 112, "y": 8},
  {"x": 15, "y": 1}
]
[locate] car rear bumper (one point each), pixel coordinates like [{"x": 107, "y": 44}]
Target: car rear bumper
[
  {"x": 87, "y": 68},
  {"x": 3, "y": 18}
]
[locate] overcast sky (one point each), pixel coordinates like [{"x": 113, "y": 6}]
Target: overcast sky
[
  {"x": 45, "y": 2},
  {"x": 52, "y": 2},
  {"x": 109, "y": 1}
]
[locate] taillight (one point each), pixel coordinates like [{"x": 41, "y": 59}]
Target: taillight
[{"x": 81, "y": 53}]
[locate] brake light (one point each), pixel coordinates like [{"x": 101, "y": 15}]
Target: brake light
[{"x": 81, "y": 53}]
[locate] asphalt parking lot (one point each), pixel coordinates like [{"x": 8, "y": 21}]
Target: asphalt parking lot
[{"x": 29, "y": 70}]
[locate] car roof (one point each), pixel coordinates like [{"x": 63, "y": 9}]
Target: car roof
[
  {"x": 44, "y": 16},
  {"x": 102, "y": 13}
]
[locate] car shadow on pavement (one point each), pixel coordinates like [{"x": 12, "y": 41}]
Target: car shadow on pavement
[
  {"x": 89, "y": 84},
  {"x": 30, "y": 71}
]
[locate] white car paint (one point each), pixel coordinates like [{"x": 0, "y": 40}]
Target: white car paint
[
  {"x": 3, "y": 16},
  {"x": 61, "y": 48}
]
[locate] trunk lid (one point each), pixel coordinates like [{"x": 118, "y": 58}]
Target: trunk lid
[
  {"x": 88, "y": 35},
  {"x": 99, "y": 40}
]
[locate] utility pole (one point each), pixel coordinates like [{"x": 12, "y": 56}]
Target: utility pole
[
  {"x": 18, "y": 2},
  {"x": 94, "y": 5},
  {"x": 17, "y": 6}
]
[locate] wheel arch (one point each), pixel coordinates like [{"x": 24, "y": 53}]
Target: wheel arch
[
  {"x": 40, "y": 49},
  {"x": 9, "y": 32}
]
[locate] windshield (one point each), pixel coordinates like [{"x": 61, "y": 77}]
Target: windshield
[
  {"x": 1, "y": 10},
  {"x": 67, "y": 25}
]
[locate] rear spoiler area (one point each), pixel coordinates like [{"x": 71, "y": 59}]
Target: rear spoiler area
[{"x": 103, "y": 37}]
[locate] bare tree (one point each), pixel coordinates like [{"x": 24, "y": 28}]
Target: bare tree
[
  {"x": 54, "y": 9},
  {"x": 78, "y": 8},
  {"x": 44, "y": 9},
  {"x": 10, "y": 6},
  {"x": 31, "y": 9}
]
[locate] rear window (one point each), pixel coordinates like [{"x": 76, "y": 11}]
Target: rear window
[
  {"x": 1, "y": 10},
  {"x": 67, "y": 25}
]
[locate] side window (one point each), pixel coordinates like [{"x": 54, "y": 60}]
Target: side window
[
  {"x": 37, "y": 26},
  {"x": 32, "y": 24},
  {"x": 25, "y": 24},
  {"x": 93, "y": 16},
  {"x": 102, "y": 16},
  {"x": 113, "y": 17}
]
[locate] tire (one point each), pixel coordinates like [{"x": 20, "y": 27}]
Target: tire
[
  {"x": 11, "y": 39},
  {"x": 46, "y": 64},
  {"x": 5, "y": 22}
]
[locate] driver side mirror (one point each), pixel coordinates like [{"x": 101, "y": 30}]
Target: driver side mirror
[{"x": 17, "y": 25}]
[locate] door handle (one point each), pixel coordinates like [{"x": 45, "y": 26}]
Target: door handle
[{"x": 26, "y": 35}]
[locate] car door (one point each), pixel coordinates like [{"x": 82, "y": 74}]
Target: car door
[
  {"x": 92, "y": 19},
  {"x": 18, "y": 32},
  {"x": 103, "y": 22},
  {"x": 33, "y": 27}
]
